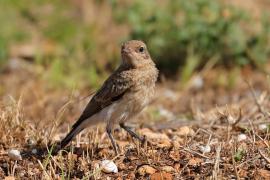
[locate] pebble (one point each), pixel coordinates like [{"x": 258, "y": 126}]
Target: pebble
[
  {"x": 168, "y": 169},
  {"x": 197, "y": 82},
  {"x": 108, "y": 166},
  {"x": 14, "y": 154},
  {"x": 146, "y": 169},
  {"x": 185, "y": 131},
  {"x": 263, "y": 127},
  {"x": 31, "y": 142},
  {"x": 205, "y": 149},
  {"x": 241, "y": 137},
  {"x": 34, "y": 151},
  {"x": 153, "y": 135},
  {"x": 231, "y": 119},
  {"x": 165, "y": 113}
]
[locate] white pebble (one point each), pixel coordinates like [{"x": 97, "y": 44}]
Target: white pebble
[
  {"x": 14, "y": 154},
  {"x": 263, "y": 127},
  {"x": 5, "y": 165},
  {"x": 231, "y": 119},
  {"x": 34, "y": 151},
  {"x": 31, "y": 142},
  {"x": 108, "y": 166},
  {"x": 241, "y": 137},
  {"x": 197, "y": 82},
  {"x": 165, "y": 113},
  {"x": 205, "y": 149}
]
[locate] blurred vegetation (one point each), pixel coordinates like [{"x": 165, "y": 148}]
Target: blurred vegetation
[
  {"x": 67, "y": 48},
  {"x": 182, "y": 36},
  {"x": 175, "y": 31}
]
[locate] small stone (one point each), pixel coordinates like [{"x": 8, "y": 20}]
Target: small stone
[
  {"x": 121, "y": 166},
  {"x": 95, "y": 164},
  {"x": 194, "y": 161},
  {"x": 241, "y": 137},
  {"x": 168, "y": 169},
  {"x": 205, "y": 149},
  {"x": 165, "y": 113},
  {"x": 197, "y": 82},
  {"x": 164, "y": 143},
  {"x": 34, "y": 151},
  {"x": 185, "y": 131},
  {"x": 21, "y": 174},
  {"x": 231, "y": 120},
  {"x": 263, "y": 127},
  {"x": 146, "y": 169},
  {"x": 14, "y": 154},
  {"x": 153, "y": 135},
  {"x": 108, "y": 166},
  {"x": 31, "y": 142},
  {"x": 161, "y": 176},
  {"x": 177, "y": 166}
]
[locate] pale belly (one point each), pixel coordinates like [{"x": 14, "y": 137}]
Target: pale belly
[{"x": 123, "y": 110}]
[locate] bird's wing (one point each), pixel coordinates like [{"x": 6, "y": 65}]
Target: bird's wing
[{"x": 112, "y": 90}]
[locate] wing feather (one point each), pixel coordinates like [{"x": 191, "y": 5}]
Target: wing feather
[{"x": 112, "y": 90}]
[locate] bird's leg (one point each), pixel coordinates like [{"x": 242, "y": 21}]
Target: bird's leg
[
  {"x": 109, "y": 132},
  {"x": 132, "y": 133}
]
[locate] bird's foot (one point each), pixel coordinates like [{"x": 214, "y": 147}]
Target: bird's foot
[{"x": 132, "y": 133}]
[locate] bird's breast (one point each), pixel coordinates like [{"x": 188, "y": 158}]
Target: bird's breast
[{"x": 139, "y": 98}]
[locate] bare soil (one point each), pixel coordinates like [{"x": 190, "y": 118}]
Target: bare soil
[{"x": 214, "y": 127}]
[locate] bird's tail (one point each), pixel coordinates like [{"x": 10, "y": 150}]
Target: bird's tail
[{"x": 74, "y": 131}]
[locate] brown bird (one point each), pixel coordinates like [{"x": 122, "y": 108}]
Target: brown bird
[{"x": 123, "y": 95}]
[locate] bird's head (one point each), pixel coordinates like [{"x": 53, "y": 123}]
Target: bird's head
[{"x": 134, "y": 53}]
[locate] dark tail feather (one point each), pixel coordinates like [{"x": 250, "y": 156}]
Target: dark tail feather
[{"x": 74, "y": 131}]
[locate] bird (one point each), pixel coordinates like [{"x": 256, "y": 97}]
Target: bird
[{"x": 126, "y": 92}]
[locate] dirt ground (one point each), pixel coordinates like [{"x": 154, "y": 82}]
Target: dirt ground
[{"x": 214, "y": 127}]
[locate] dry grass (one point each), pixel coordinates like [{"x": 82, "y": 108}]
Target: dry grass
[{"x": 178, "y": 124}]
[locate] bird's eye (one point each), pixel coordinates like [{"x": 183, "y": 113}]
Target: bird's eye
[{"x": 141, "y": 49}]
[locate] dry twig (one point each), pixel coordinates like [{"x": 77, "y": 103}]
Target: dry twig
[
  {"x": 216, "y": 167},
  {"x": 264, "y": 156}
]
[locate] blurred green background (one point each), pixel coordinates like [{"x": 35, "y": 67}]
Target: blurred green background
[{"x": 76, "y": 42}]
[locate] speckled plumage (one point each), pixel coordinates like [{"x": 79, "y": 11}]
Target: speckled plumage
[{"x": 123, "y": 95}]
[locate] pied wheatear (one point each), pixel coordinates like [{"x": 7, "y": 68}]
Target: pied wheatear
[{"x": 123, "y": 95}]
